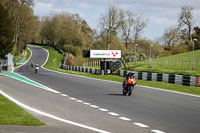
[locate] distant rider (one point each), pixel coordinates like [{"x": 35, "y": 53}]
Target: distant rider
[
  {"x": 36, "y": 68},
  {"x": 32, "y": 64}
]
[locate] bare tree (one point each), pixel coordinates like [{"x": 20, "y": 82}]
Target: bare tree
[
  {"x": 26, "y": 2},
  {"x": 110, "y": 23},
  {"x": 127, "y": 26},
  {"x": 186, "y": 21},
  {"x": 138, "y": 25}
]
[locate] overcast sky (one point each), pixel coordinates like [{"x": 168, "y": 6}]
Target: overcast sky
[{"x": 160, "y": 14}]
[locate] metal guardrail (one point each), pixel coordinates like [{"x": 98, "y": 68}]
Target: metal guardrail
[
  {"x": 81, "y": 69},
  {"x": 148, "y": 76},
  {"x": 167, "y": 78}
]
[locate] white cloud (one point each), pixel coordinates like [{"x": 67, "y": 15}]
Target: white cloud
[{"x": 42, "y": 9}]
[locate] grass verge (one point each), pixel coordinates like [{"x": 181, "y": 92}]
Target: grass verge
[
  {"x": 55, "y": 59},
  {"x": 12, "y": 114},
  {"x": 174, "y": 64}
]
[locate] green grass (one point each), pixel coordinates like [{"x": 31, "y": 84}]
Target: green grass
[
  {"x": 17, "y": 57},
  {"x": 28, "y": 54},
  {"x": 54, "y": 55},
  {"x": 11, "y": 114},
  {"x": 177, "y": 64},
  {"x": 55, "y": 59},
  {"x": 94, "y": 67}
]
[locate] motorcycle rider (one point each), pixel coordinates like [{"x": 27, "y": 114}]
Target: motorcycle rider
[
  {"x": 129, "y": 75},
  {"x": 32, "y": 64},
  {"x": 36, "y": 68}
]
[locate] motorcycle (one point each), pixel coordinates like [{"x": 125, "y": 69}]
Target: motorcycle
[
  {"x": 36, "y": 69},
  {"x": 128, "y": 86}
]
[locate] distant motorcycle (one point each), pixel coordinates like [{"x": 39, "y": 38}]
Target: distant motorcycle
[
  {"x": 128, "y": 85},
  {"x": 36, "y": 69},
  {"x": 32, "y": 65}
]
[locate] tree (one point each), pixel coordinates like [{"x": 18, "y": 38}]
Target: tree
[
  {"x": 109, "y": 22},
  {"x": 170, "y": 38},
  {"x": 127, "y": 26},
  {"x": 131, "y": 26},
  {"x": 50, "y": 29},
  {"x": 186, "y": 21},
  {"x": 68, "y": 31},
  {"x": 29, "y": 3},
  {"x": 6, "y": 32},
  {"x": 196, "y": 35},
  {"x": 24, "y": 22},
  {"x": 138, "y": 25}
]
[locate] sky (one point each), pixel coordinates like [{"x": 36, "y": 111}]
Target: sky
[{"x": 160, "y": 14}]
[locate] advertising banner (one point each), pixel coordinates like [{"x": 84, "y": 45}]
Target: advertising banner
[{"x": 105, "y": 54}]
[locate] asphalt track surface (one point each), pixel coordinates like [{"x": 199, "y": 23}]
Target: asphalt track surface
[{"x": 160, "y": 110}]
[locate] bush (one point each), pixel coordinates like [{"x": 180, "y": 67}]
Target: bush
[
  {"x": 75, "y": 51},
  {"x": 179, "y": 49}
]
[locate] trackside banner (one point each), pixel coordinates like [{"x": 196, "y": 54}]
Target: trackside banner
[{"x": 105, "y": 53}]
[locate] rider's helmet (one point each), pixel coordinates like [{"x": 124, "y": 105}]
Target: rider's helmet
[{"x": 131, "y": 73}]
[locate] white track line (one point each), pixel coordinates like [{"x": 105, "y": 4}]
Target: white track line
[
  {"x": 86, "y": 103},
  {"x": 94, "y": 106},
  {"x": 157, "y": 131},
  {"x": 124, "y": 118},
  {"x": 104, "y": 110},
  {"x": 52, "y": 116},
  {"x": 64, "y": 95},
  {"x": 72, "y": 98},
  {"x": 79, "y": 101},
  {"x": 141, "y": 125},
  {"x": 113, "y": 114}
]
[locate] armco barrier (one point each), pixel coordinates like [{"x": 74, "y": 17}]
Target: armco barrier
[
  {"x": 178, "y": 79},
  {"x": 159, "y": 77},
  {"x": 154, "y": 76},
  {"x": 171, "y": 78},
  {"x": 192, "y": 81},
  {"x": 140, "y": 75},
  {"x": 144, "y": 76},
  {"x": 167, "y": 78},
  {"x": 149, "y": 76},
  {"x": 186, "y": 80},
  {"x": 136, "y": 75}
]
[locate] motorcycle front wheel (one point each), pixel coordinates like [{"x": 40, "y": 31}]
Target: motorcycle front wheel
[{"x": 130, "y": 88}]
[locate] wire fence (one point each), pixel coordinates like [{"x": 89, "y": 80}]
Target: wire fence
[{"x": 176, "y": 64}]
